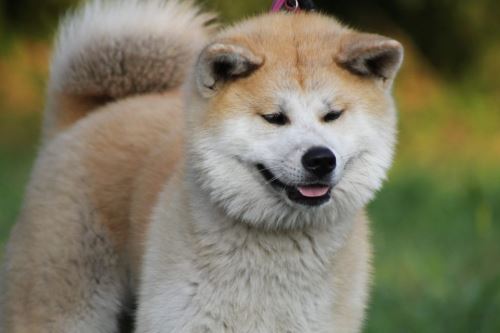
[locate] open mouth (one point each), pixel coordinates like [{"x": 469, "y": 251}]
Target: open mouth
[{"x": 306, "y": 194}]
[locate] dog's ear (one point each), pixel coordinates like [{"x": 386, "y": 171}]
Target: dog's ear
[
  {"x": 222, "y": 62},
  {"x": 370, "y": 55}
]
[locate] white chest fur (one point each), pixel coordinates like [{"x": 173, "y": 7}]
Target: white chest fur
[
  {"x": 254, "y": 282},
  {"x": 218, "y": 275}
]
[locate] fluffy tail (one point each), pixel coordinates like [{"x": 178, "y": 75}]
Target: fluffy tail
[{"x": 108, "y": 50}]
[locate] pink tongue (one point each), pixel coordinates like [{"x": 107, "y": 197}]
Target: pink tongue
[{"x": 313, "y": 191}]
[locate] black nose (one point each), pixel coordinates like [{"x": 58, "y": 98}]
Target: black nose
[{"x": 320, "y": 161}]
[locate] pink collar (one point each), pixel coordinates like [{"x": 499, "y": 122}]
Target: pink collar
[{"x": 291, "y": 6}]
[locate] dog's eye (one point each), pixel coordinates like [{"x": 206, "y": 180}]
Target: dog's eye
[
  {"x": 278, "y": 118},
  {"x": 332, "y": 115}
]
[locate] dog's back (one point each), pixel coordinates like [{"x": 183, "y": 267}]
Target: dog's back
[{"x": 113, "y": 115}]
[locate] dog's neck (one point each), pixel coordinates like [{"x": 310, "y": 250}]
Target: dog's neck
[
  {"x": 247, "y": 267},
  {"x": 226, "y": 236},
  {"x": 264, "y": 280}
]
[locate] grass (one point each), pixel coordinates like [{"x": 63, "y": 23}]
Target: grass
[
  {"x": 17, "y": 152},
  {"x": 437, "y": 255},
  {"x": 13, "y": 177}
]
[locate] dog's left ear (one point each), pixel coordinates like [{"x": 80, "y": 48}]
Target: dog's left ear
[
  {"x": 370, "y": 55},
  {"x": 220, "y": 63}
]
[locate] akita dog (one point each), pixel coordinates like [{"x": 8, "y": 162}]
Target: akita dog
[{"x": 215, "y": 178}]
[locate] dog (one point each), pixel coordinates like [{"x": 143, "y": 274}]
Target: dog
[{"x": 199, "y": 179}]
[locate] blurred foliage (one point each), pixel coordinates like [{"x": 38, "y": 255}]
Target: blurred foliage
[
  {"x": 437, "y": 220},
  {"x": 31, "y": 18},
  {"x": 451, "y": 34}
]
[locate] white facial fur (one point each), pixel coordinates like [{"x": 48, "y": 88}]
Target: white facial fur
[{"x": 224, "y": 158}]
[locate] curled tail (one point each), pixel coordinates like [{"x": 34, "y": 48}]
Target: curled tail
[{"x": 108, "y": 50}]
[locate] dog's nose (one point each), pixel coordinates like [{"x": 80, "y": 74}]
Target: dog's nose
[{"x": 320, "y": 161}]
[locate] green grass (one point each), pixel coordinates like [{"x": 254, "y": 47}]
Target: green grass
[
  {"x": 436, "y": 239},
  {"x": 17, "y": 152},
  {"x": 14, "y": 172},
  {"x": 437, "y": 255}
]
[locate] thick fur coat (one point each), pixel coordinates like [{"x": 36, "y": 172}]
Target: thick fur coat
[{"x": 174, "y": 184}]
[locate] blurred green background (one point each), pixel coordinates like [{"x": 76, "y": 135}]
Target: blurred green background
[{"x": 436, "y": 225}]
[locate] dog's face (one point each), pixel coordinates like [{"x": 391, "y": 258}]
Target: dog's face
[{"x": 292, "y": 119}]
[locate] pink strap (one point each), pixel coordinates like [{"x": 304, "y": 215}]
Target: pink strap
[{"x": 279, "y": 4}]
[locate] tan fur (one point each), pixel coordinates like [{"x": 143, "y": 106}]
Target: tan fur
[
  {"x": 109, "y": 156},
  {"x": 119, "y": 185},
  {"x": 290, "y": 48}
]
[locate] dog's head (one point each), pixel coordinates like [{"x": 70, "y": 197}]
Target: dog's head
[{"x": 291, "y": 119}]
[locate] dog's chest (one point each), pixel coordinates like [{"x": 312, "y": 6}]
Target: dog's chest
[{"x": 263, "y": 284}]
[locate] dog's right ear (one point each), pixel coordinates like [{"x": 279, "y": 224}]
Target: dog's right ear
[
  {"x": 370, "y": 55},
  {"x": 222, "y": 62}
]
